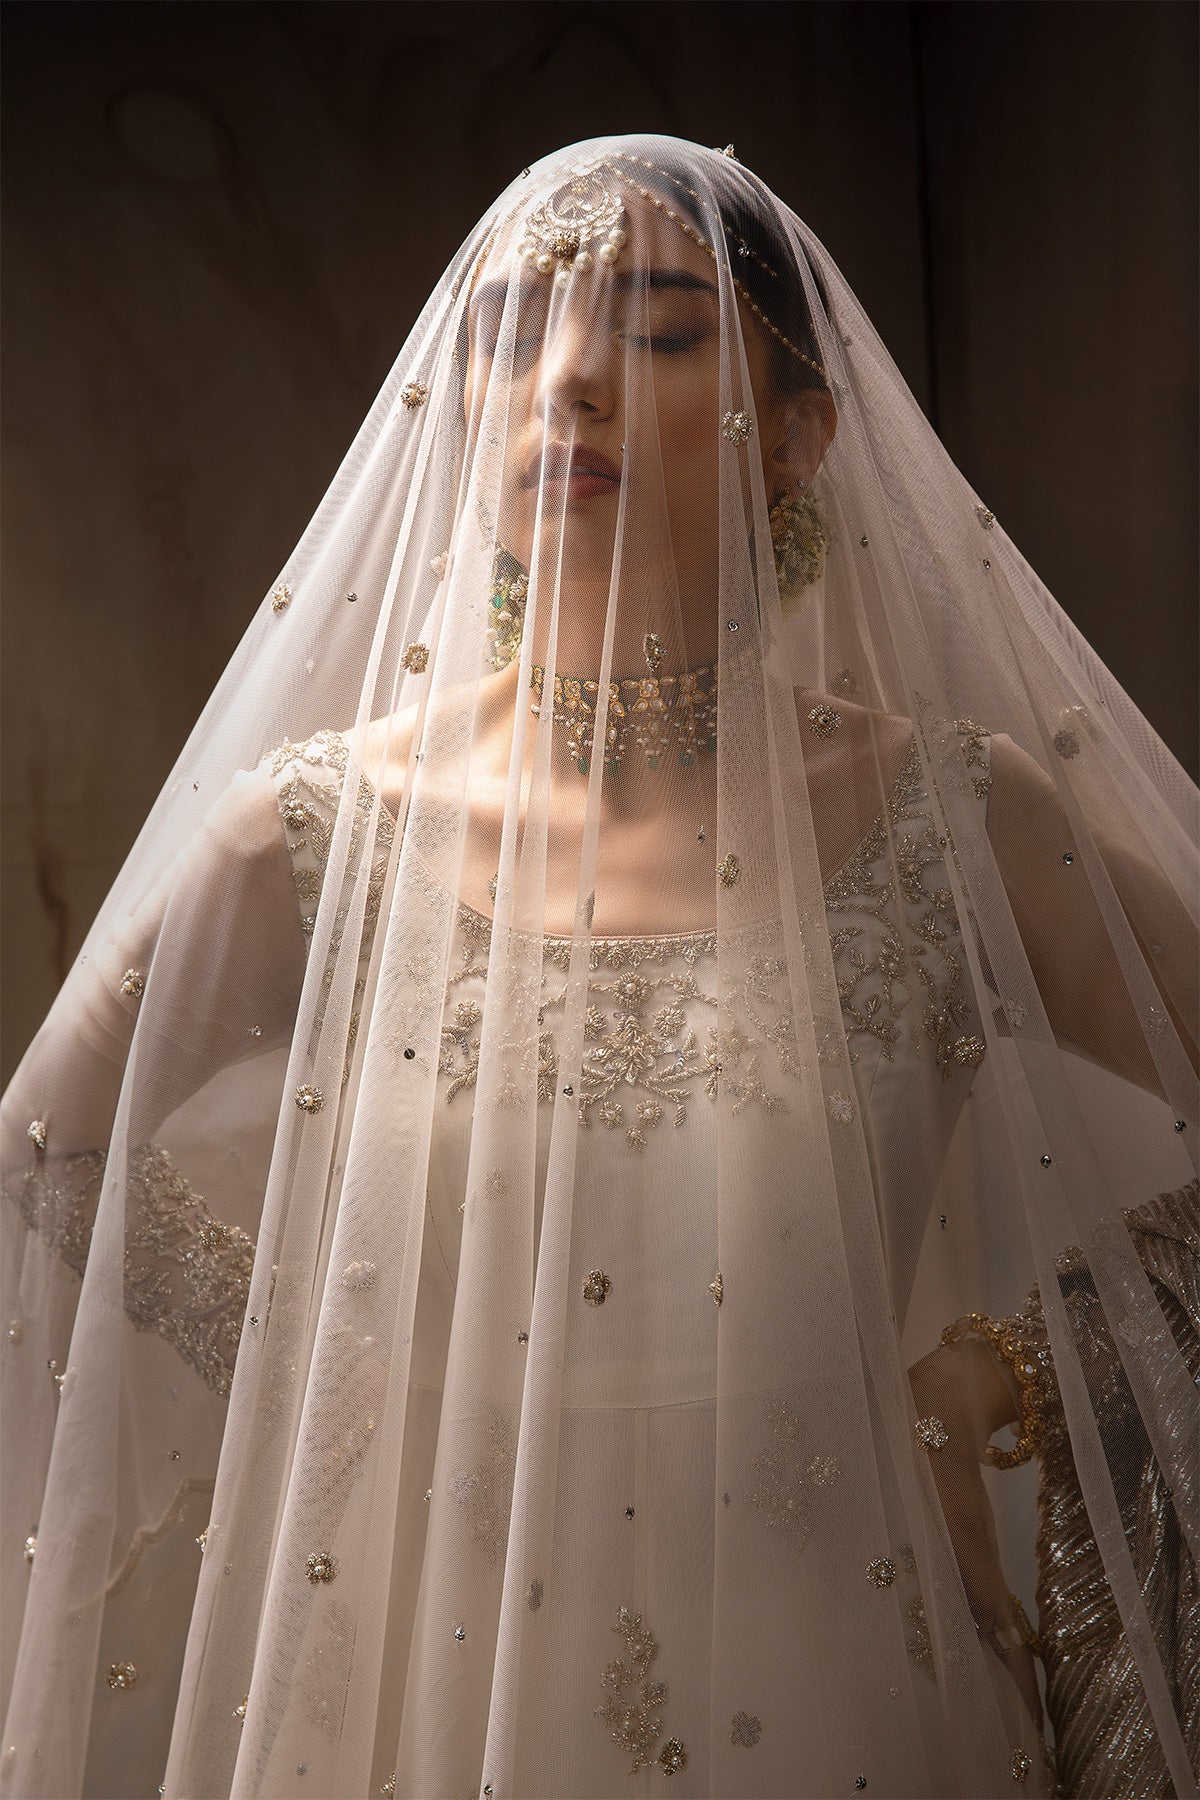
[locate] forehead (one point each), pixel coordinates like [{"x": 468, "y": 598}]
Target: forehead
[{"x": 653, "y": 240}]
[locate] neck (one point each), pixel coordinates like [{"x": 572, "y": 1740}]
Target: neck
[{"x": 636, "y": 793}]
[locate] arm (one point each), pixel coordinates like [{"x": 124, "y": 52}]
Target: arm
[
  {"x": 961, "y": 1384},
  {"x": 1070, "y": 952},
  {"x": 204, "y": 973},
  {"x": 218, "y": 949}
]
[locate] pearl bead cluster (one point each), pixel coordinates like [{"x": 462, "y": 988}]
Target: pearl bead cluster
[{"x": 566, "y": 249}]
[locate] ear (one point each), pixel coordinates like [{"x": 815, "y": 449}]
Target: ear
[{"x": 802, "y": 428}]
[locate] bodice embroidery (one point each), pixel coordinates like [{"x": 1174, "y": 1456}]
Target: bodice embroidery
[{"x": 652, "y": 1041}]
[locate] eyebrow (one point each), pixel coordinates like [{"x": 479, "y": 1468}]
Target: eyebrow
[{"x": 681, "y": 280}]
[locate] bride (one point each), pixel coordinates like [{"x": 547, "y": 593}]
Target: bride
[{"x": 552, "y": 1168}]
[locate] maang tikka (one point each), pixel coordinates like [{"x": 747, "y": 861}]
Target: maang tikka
[{"x": 581, "y": 211}]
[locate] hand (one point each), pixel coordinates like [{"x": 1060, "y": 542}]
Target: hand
[{"x": 962, "y": 1385}]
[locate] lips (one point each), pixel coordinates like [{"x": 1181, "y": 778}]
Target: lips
[{"x": 562, "y": 462}]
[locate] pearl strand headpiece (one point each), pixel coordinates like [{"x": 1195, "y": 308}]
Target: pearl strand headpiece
[{"x": 583, "y": 209}]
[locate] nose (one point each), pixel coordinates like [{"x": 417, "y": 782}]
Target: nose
[{"x": 580, "y": 362}]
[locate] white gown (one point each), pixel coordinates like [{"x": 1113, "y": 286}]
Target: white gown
[{"x": 645, "y": 1419}]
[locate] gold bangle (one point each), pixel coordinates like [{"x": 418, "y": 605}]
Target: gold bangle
[
  {"x": 1006, "y": 1640},
  {"x": 1011, "y": 1350}
]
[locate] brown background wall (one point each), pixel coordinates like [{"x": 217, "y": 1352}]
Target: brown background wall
[{"x": 221, "y": 220}]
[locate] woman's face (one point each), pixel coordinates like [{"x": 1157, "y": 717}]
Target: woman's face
[{"x": 603, "y": 387}]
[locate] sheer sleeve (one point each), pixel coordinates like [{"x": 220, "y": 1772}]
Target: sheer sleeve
[
  {"x": 183, "y": 1000},
  {"x": 1071, "y": 926},
  {"x": 170, "y": 992}
]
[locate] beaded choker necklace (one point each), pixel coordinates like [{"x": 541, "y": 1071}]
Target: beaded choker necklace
[{"x": 660, "y": 710}]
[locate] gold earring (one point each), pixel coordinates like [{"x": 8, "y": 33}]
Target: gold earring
[{"x": 799, "y": 540}]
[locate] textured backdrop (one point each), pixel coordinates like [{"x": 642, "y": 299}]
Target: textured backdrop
[{"x": 220, "y": 221}]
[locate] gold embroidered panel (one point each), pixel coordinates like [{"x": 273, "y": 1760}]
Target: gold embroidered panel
[{"x": 652, "y": 1045}]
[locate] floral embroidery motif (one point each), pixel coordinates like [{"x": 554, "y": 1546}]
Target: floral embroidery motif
[
  {"x": 596, "y": 1288},
  {"x": 647, "y": 1054},
  {"x": 786, "y": 1475},
  {"x": 840, "y": 1107},
  {"x": 745, "y": 1730},
  {"x": 187, "y": 1275},
  {"x": 121, "y": 1675},
  {"x": 824, "y": 720},
  {"x": 359, "y": 1277},
  {"x": 920, "y": 1644},
  {"x": 308, "y": 779},
  {"x": 975, "y": 754},
  {"x": 918, "y": 948},
  {"x": 321, "y": 1567},
  {"x": 672, "y": 1756},
  {"x": 636, "y": 1723},
  {"x": 485, "y": 1492}
]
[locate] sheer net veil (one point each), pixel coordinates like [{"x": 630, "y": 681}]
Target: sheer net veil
[{"x": 579, "y": 1226}]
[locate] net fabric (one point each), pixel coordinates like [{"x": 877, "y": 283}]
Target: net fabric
[{"x": 551, "y": 1167}]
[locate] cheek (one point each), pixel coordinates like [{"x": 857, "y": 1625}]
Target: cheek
[{"x": 689, "y": 433}]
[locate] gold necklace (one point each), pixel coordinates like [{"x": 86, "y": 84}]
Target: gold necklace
[{"x": 656, "y": 708}]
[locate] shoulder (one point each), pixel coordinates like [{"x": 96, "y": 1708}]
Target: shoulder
[
  {"x": 1018, "y": 779},
  {"x": 307, "y": 777},
  {"x": 306, "y": 781},
  {"x": 319, "y": 760}
]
